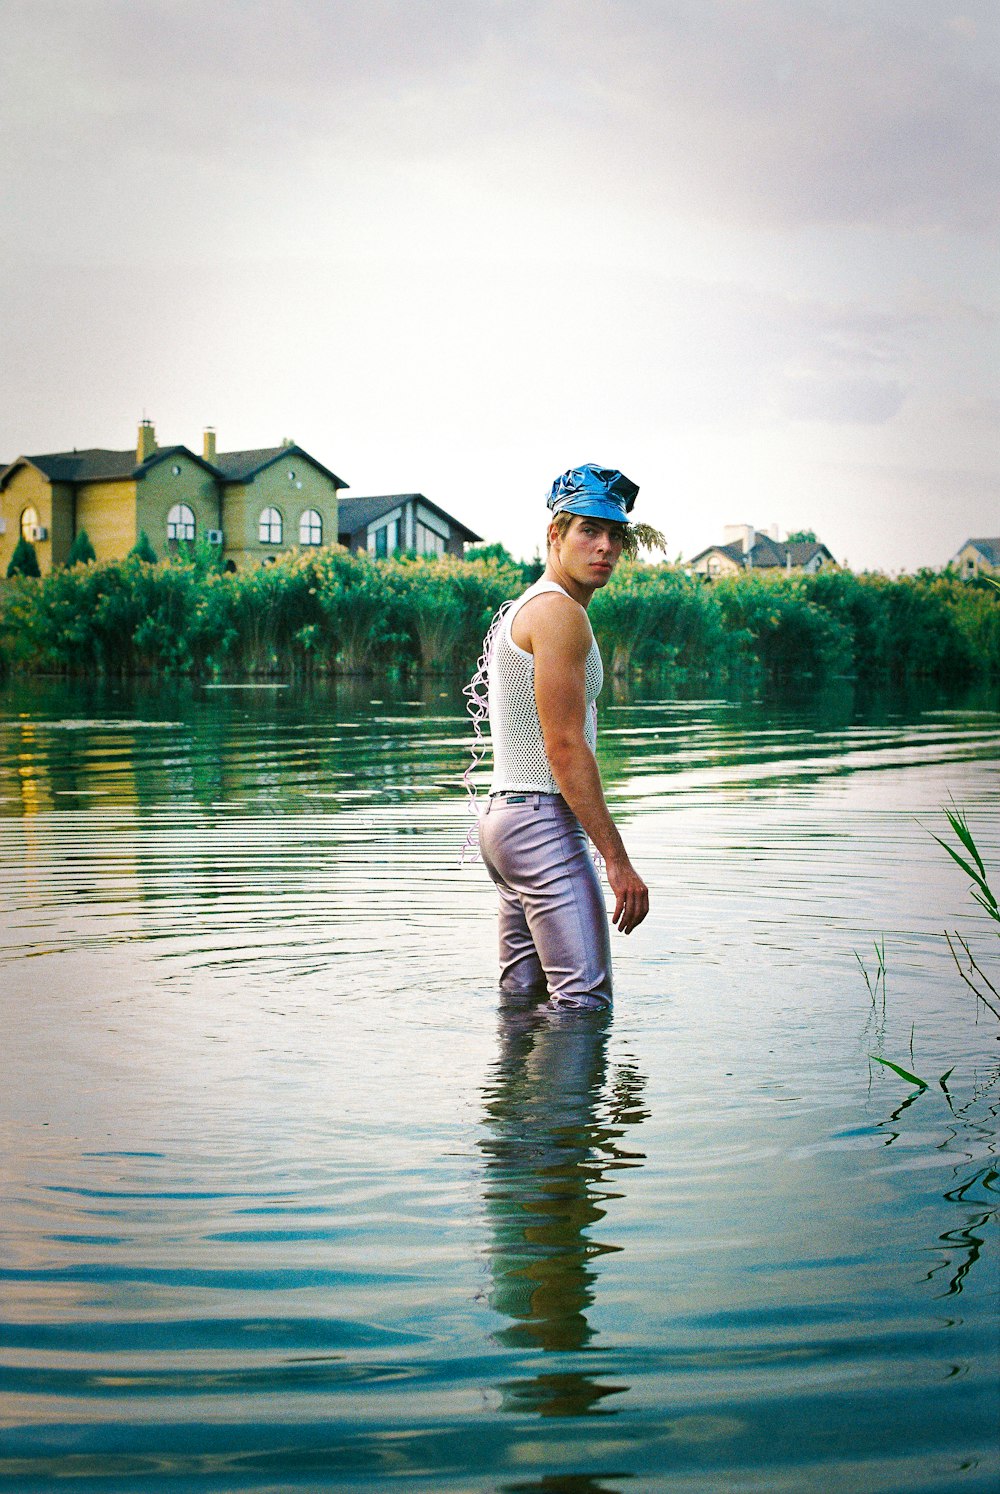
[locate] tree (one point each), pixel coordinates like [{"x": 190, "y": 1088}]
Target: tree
[
  {"x": 143, "y": 550},
  {"x": 24, "y": 561},
  {"x": 495, "y": 551},
  {"x": 81, "y": 551},
  {"x": 802, "y": 536}
]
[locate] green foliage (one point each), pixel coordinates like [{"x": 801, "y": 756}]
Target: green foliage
[
  {"x": 143, "y": 550},
  {"x": 919, "y": 626},
  {"x": 656, "y": 616},
  {"x": 802, "y": 536},
  {"x": 529, "y": 570},
  {"x": 495, "y": 551},
  {"x": 774, "y": 626},
  {"x": 81, "y": 551},
  {"x": 905, "y": 1073},
  {"x": 24, "y": 561},
  {"x": 972, "y": 863},
  {"x": 325, "y": 610}
]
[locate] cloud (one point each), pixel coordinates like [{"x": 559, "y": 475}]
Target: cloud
[
  {"x": 858, "y": 401},
  {"x": 773, "y": 113}
]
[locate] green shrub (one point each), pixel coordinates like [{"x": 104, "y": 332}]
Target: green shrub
[
  {"x": 330, "y": 611},
  {"x": 655, "y": 616},
  {"x": 81, "y": 551},
  {"x": 24, "y": 561},
  {"x": 772, "y": 624},
  {"x": 143, "y": 550}
]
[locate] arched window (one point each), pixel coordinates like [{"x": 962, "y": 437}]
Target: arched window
[
  {"x": 310, "y": 528},
  {"x": 29, "y": 523},
  {"x": 180, "y": 522},
  {"x": 269, "y": 531}
]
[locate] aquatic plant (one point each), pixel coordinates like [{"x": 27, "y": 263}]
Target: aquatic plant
[
  {"x": 982, "y": 893},
  {"x": 975, "y": 869},
  {"x": 879, "y": 977}
]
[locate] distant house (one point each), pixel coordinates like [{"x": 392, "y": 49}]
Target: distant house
[
  {"x": 402, "y": 521},
  {"x": 252, "y": 504},
  {"x": 977, "y": 557},
  {"x": 745, "y": 548}
]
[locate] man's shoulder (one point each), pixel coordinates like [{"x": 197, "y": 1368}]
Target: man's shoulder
[{"x": 553, "y": 617}]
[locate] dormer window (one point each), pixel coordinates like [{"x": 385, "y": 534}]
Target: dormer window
[{"x": 176, "y": 470}]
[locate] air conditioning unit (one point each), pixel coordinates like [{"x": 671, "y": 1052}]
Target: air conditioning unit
[
  {"x": 215, "y": 536},
  {"x": 37, "y": 532}
]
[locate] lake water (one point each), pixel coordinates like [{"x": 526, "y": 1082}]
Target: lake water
[{"x": 291, "y": 1202}]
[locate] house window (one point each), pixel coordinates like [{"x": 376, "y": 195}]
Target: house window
[
  {"x": 310, "y": 528},
  {"x": 384, "y": 541},
  {"x": 714, "y": 566},
  {"x": 269, "y": 531},
  {"x": 29, "y": 522},
  {"x": 428, "y": 541},
  {"x": 180, "y": 522}
]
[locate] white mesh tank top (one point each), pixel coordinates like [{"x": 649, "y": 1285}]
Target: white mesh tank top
[{"x": 519, "y": 761}]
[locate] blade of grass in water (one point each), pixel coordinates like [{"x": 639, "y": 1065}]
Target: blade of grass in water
[{"x": 903, "y": 1073}]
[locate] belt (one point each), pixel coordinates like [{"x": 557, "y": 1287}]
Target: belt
[{"x": 523, "y": 796}]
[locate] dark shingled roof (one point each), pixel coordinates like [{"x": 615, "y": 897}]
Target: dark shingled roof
[
  {"x": 767, "y": 554},
  {"x": 358, "y": 513},
  {"x": 95, "y": 464},
  {"x": 98, "y": 465},
  {"x": 989, "y": 549},
  {"x": 244, "y": 466}
]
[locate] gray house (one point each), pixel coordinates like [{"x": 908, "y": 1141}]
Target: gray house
[
  {"x": 401, "y": 521},
  {"x": 977, "y": 557},
  {"x": 748, "y": 549}
]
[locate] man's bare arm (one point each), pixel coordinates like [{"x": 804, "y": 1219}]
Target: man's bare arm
[{"x": 558, "y": 634}]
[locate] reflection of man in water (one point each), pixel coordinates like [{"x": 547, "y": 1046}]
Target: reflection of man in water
[
  {"x": 552, "y": 1130},
  {"x": 545, "y": 673}
]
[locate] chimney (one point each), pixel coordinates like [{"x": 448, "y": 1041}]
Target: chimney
[
  {"x": 742, "y": 534},
  {"x": 208, "y": 443},
  {"x": 146, "y": 444}
]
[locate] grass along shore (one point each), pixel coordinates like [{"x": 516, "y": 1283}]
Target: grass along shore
[{"x": 328, "y": 611}]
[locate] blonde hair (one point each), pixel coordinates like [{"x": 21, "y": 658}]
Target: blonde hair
[{"x": 633, "y": 535}]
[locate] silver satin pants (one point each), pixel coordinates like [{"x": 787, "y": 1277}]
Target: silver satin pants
[{"x": 554, "y": 932}]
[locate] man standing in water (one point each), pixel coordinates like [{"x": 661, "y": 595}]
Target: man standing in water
[{"x": 544, "y": 672}]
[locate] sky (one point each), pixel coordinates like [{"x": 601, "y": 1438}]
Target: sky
[{"x": 745, "y": 250}]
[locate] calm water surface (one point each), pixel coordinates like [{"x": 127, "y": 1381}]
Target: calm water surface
[{"x": 290, "y": 1200}]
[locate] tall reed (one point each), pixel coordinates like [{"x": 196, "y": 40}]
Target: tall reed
[{"x": 329, "y": 611}]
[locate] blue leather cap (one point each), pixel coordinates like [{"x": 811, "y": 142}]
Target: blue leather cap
[{"x": 597, "y": 492}]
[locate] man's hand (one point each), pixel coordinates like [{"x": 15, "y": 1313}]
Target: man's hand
[{"x": 631, "y": 894}]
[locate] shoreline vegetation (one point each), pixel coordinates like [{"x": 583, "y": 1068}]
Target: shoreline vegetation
[{"x": 330, "y": 612}]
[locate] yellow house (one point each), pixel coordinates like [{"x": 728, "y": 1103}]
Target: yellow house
[
  {"x": 252, "y": 504},
  {"x": 977, "y": 557}
]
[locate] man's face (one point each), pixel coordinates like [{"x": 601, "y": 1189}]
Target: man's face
[{"x": 590, "y": 549}]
